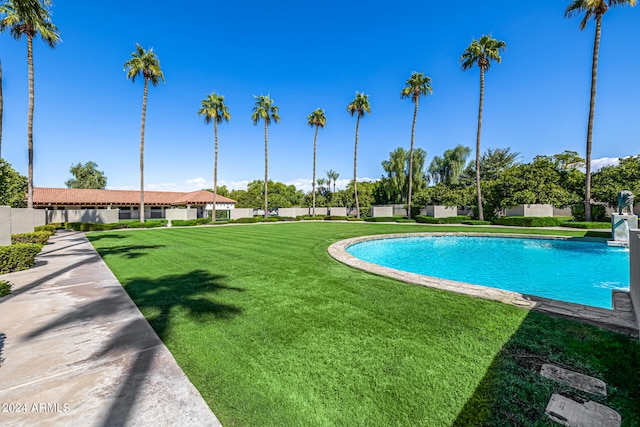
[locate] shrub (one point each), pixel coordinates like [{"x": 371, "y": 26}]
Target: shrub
[
  {"x": 92, "y": 226},
  {"x": 382, "y": 219},
  {"x": 5, "y": 288},
  {"x": 588, "y": 225},
  {"x": 244, "y": 220},
  {"x": 405, "y": 220},
  {"x": 447, "y": 220},
  {"x": 522, "y": 221},
  {"x": 598, "y": 212},
  {"x": 353, "y": 218},
  {"x": 336, "y": 218},
  {"x": 190, "y": 222},
  {"x": 50, "y": 228},
  {"x": 38, "y": 237},
  {"x": 270, "y": 219},
  {"x": 18, "y": 257}
]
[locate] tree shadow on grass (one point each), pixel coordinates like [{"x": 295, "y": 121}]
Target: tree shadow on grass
[
  {"x": 131, "y": 342},
  {"x": 128, "y": 251},
  {"x": 512, "y": 392}
]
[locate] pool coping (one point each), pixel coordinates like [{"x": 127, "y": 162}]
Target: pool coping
[{"x": 620, "y": 319}]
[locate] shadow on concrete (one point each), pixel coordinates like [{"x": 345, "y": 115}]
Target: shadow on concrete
[
  {"x": 512, "y": 393},
  {"x": 128, "y": 251},
  {"x": 2, "y": 338}
]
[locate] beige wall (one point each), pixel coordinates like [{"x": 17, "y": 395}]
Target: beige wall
[
  {"x": 241, "y": 213},
  {"x": 379, "y": 211},
  {"x": 100, "y": 216},
  {"x": 5, "y": 225},
  {"x": 180, "y": 214},
  {"x": 531, "y": 210},
  {"x": 441, "y": 211},
  {"x": 634, "y": 261},
  {"x": 23, "y": 220}
]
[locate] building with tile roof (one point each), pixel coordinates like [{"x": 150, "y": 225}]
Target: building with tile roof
[{"x": 127, "y": 201}]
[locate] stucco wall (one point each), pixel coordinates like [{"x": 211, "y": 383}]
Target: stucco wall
[
  {"x": 241, "y": 213},
  {"x": 378, "y": 211},
  {"x": 437, "y": 211},
  {"x": 100, "y": 216},
  {"x": 23, "y": 219},
  {"x": 338, "y": 211},
  {"x": 530, "y": 210},
  {"x": 634, "y": 261},
  {"x": 5, "y": 225},
  {"x": 180, "y": 214}
]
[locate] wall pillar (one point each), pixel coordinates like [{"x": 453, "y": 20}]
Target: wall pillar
[
  {"x": 5, "y": 225},
  {"x": 634, "y": 271}
]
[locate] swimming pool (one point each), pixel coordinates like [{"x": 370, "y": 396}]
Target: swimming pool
[{"x": 567, "y": 270}]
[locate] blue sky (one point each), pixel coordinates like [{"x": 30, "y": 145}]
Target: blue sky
[{"x": 309, "y": 55}]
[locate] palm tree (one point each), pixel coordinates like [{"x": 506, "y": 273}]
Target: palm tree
[
  {"x": 332, "y": 176},
  {"x": 358, "y": 107},
  {"x": 317, "y": 119},
  {"x": 145, "y": 63},
  {"x": 592, "y": 9},
  {"x": 29, "y": 18},
  {"x": 265, "y": 109},
  {"x": 481, "y": 52},
  {"x": 417, "y": 85},
  {"x": 214, "y": 110}
]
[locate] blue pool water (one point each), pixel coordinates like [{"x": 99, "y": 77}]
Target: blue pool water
[{"x": 574, "y": 271}]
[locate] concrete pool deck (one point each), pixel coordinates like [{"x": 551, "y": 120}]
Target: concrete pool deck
[
  {"x": 621, "y": 319},
  {"x": 75, "y": 350}
]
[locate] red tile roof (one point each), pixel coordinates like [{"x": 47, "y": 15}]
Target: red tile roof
[{"x": 87, "y": 197}]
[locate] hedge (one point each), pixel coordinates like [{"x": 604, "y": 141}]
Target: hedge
[
  {"x": 447, "y": 220},
  {"x": 38, "y": 237},
  {"x": 476, "y": 222},
  {"x": 190, "y": 222},
  {"x": 18, "y": 257},
  {"x": 244, "y": 220},
  {"x": 522, "y": 221},
  {"x": 50, "y": 228},
  {"x": 92, "y": 226},
  {"x": 383, "y": 218},
  {"x": 336, "y": 218}
]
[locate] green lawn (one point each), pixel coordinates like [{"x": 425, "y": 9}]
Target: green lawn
[{"x": 273, "y": 331}]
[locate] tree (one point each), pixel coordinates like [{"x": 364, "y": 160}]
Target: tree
[
  {"x": 265, "y": 109},
  {"x": 481, "y": 52},
  {"x": 395, "y": 186},
  {"x": 449, "y": 168},
  {"x": 610, "y": 180},
  {"x": 332, "y": 176},
  {"x": 214, "y": 110},
  {"x": 143, "y": 63},
  {"x": 86, "y": 176},
  {"x": 13, "y": 186},
  {"x": 492, "y": 164},
  {"x": 416, "y": 86},
  {"x": 592, "y": 9},
  {"x": 317, "y": 119},
  {"x": 358, "y": 107},
  {"x": 29, "y": 18}
]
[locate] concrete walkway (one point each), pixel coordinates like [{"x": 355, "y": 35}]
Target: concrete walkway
[{"x": 75, "y": 350}]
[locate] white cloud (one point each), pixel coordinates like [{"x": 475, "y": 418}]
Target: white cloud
[{"x": 597, "y": 164}]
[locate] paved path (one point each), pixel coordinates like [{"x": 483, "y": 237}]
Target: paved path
[{"x": 75, "y": 350}]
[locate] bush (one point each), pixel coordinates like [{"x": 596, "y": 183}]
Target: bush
[
  {"x": 382, "y": 218},
  {"x": 92, "y": 226},
  {"x": 405, "y": 220},
  {"x": 5, "y": 288},
  {"x": 353, "y": 218},
  {"x": 190, "y": 222},
  {"x": 18, "y": 257},
  {"x": 588, "y": 225},
  {"x": 49, "y": 228},
  {"x": 336, "y": 218},
  {"x": 522, "y": 221},
  {"x": 244, "y": 220},
  {"x": 447, "y": 220},
  {"x": 598, "y": 212},
  {"x": 38, "y": 237}
]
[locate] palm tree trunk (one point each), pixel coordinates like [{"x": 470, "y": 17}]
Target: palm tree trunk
[
  {"x": 315, "y": 137},
  {"x": 480, "y": 209},
  {"x": 1, "y": 109},
  {"x": 355, "y": 158},
  {"x": 592, "y": 106},
  {"x": 413, "y": 132},
  {"x": 30, "y": 123},
  {"x": 144, "y": 117},
  {"x": 266, "y": 168},
  {"x": 215, "y": 169}
]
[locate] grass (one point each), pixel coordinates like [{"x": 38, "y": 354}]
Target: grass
[{"x": 273, "y": 331}]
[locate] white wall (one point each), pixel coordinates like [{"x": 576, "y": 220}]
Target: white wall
[
  {"x": 437, "y": 211},
  {"x": 99, "y": 216},
  {"x": 241, "y": 213},
  {"x": 180, "y": 214},
  {"x": 380, "y": 211}
]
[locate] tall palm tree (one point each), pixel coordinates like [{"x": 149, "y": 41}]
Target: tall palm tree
[
  {"x": 265, "y": 109},
  {"x": 317, "y": 119},
  {"x": 332, "y": 176},
  {"x": 592, "y": 9},
  {"x": 417, "y": 85},
  {"x": 29, "y": 18},
  {"x": 481, "y": 52},
  {"x": 144, "y": 63},
  {"x": 214, "y": 110},
  {"x": 358, "y": 107}
]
